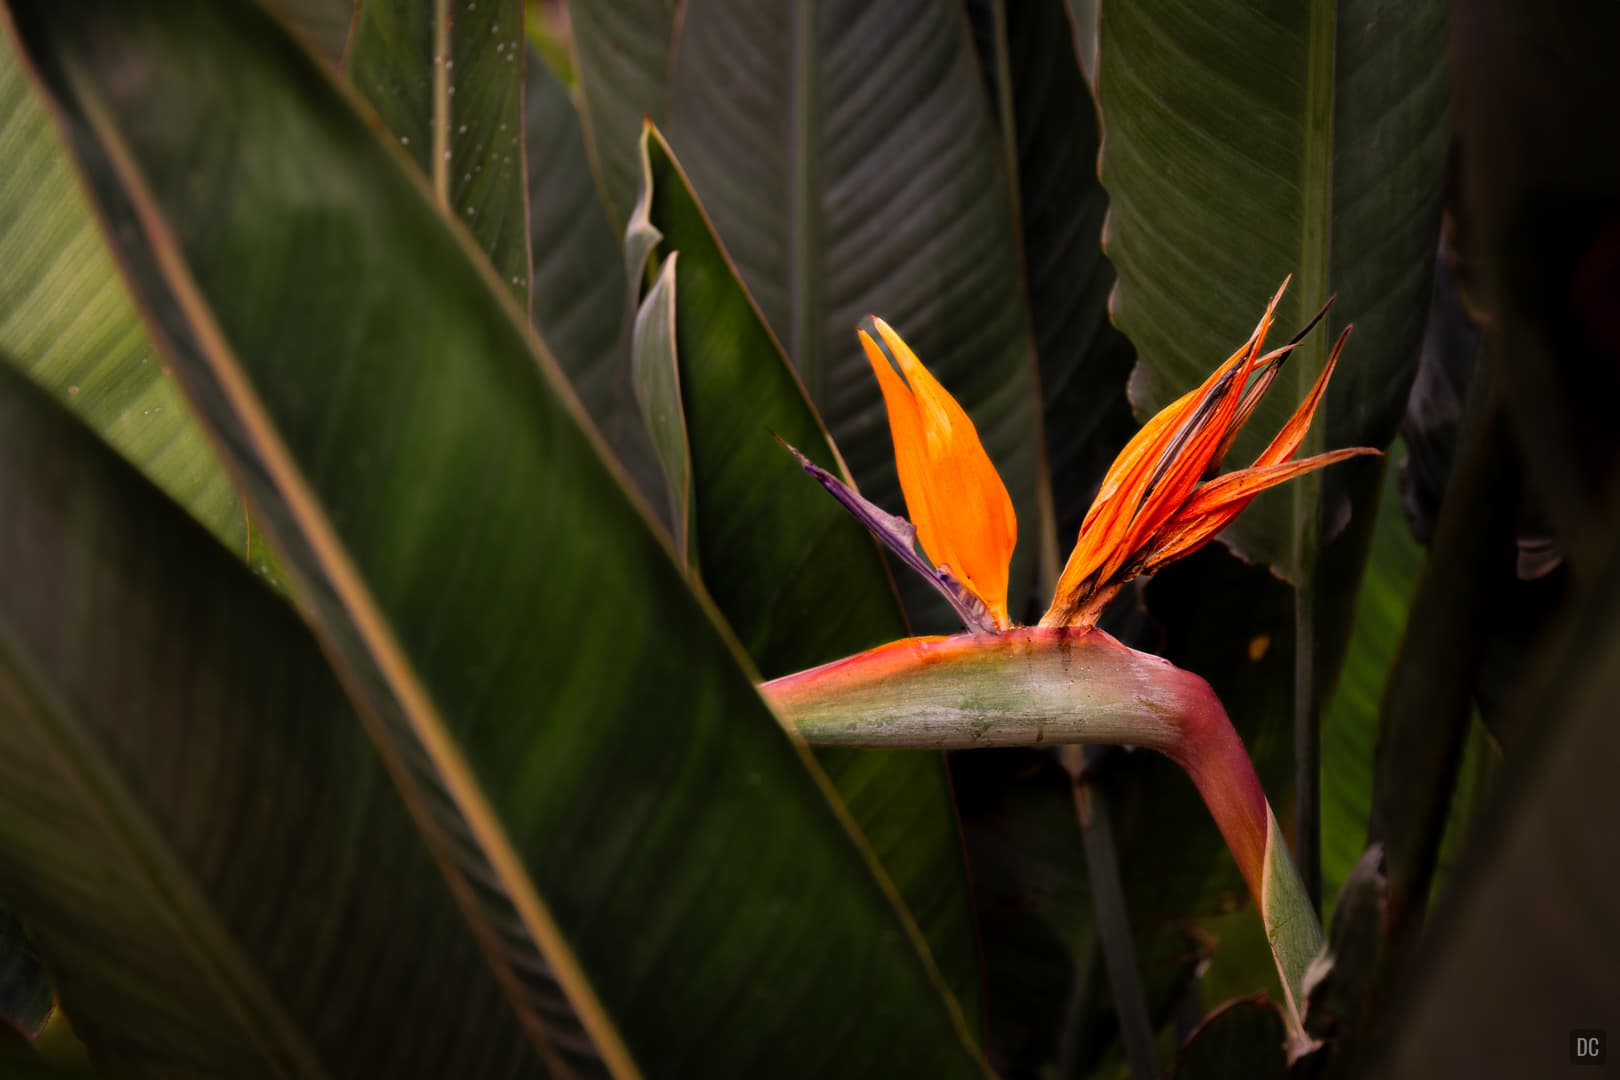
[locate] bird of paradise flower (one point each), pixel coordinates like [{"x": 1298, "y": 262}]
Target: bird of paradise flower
[{"x": 1063, "y": 680}]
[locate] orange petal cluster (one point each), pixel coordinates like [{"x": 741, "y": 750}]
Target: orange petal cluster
[
  {"x": 954, "y": 495},
  {"x": 1159, "y": 501}
]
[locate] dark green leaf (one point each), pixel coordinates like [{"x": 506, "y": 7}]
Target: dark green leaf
[
  {"x": 324, "y": 23},
  {"x": 1242, "y": 1038},
  {"x": 1521, "y": 954},
  {"x": 797, "y": 577},
  {"x": 1428, "y": 698},
  {"x": 1350, "y": 714},
  {"x": 578, "y": 301},
  {"x": 627, "y": 822},
  {"x": 1304, "y": 139},
  {"x": 1085, "y": 363},
  {"x": 622, "y": 52},
  {"x": 446, "y": 76},
  {"x": 845, "y": 182},
  {"x": 203, "y": 841}
]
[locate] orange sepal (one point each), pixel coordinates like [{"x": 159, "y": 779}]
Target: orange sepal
[
  {"x": 954, "y": 496},
  {"x": 1292, "y": 434},
  {"x": 1213, "y": 506},
  {"x": 1153, "y": 474}
]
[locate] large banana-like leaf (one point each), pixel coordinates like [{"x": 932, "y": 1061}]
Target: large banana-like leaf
[
  {"x": 1050, "y": 125},
  {"x": 844, "y": 181},
  {"x": 447, "y": 79},
  {"x": 201, "y": 838},
  {"x": 779, "y": 550},
  {"x": 1263, "y": 139},
  {"x": 578, "y": 301},
  {"x": 621, "y": 818},
  {"x": 67, "y": 322},
  {"x": 622, "y": 50}
]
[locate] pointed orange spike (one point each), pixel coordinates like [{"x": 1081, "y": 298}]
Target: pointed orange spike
[
  {"x": 1187, "y": 458},
  {"x": 1293, "y": 432},
  {"x": 1213, "y": 506},
  {"x": 1153, "y": 473},
  {"x": 954, "y": 495}
]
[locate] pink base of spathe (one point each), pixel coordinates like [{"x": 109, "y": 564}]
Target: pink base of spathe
[{"x": 1182, "y": 717}]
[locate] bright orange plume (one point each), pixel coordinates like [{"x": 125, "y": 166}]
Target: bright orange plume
[{"x": 1159, "y": 500}]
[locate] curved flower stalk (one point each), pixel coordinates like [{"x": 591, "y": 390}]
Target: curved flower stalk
[{"x": 1064, "y": 681}]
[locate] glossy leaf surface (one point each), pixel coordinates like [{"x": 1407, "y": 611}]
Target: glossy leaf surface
[
  {"x": 1309, "y": 140},
  {"x": 843, "y": 184},
  {"x": 446, "y": 76},
  {"x": 578, "y": 303},
  {"x": 797, "y": 576},
  {"x": 482, "y": 580}
]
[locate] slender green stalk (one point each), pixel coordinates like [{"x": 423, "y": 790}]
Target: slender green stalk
[
  {"x": 1113, "y": 923},
  {"x": 1036, "y": 686}
]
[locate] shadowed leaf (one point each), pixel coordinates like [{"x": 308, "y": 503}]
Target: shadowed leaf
[{"x": 575, "y": 733}]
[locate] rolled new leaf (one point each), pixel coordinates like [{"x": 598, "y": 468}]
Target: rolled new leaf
[{"x": 1038, "y": 686}]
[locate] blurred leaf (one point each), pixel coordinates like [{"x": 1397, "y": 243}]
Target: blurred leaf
[
  {"x": 66, "y": 320},
  {"x": 1083, "y": 18},
  {"x": 1344, "y": 973},
  {"x": 447, "y": 79},
  {"x": 1521, "y": 952},
  {"x": 1032, "y": 899},
  {"x": 622, "y": 51},
  {"x": 324, "y": 23},
  {"x": 469, "y": 557},
  {"x": 844, "y": 183},
  {"x": 656, "y": 381},
  {"x": 1434, "y": 411},
  {"x": 1538, "y": 109},
  {"x": 1241, "y": 1038},
  {"x": 1428, "y": 694},
  {"x": 578, "y": 302},
  {"x": 798, "y": 578},
  {"x": 1520, "y": 955},
  {"x": 185, "y": 794},
  {"x": 1307, "y": 139},
  {"x": 25, "y": 992}
]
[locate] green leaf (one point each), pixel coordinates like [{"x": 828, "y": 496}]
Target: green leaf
[
  {"x": 626, "y": 823},
  {"x": 1241, "y": 1038},
  {"x": 654, "y": 377},
  {"x": 201, "y": 838},
  {"x": 798, "y": 578},
  {"x": 1350, "y": 714},
  {"x": 324, "y": 23},
  {"x": 1524, "y": 957},
  {"x": 1084, "y": 362},
  {"x": 67, "y": 322},
  {"x": 846, "y": 182},
  {"x": 1275, "y": 138},
  {"x": 446, "y": 76},
  {"x": 622, "y": 53},
  {"x": 578, "y": 303},
  {"x": 25, "y": 992}
]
